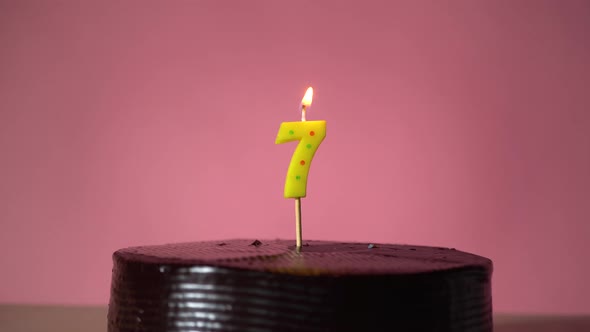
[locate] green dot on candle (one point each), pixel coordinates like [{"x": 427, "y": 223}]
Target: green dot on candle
[
  {"x": 297, "y": 177},
  {"x": 291, "y": 132},
  {"x": 308, "y": 146}
]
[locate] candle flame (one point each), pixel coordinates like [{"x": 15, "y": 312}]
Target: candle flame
[{"x": 306, "y": 101}]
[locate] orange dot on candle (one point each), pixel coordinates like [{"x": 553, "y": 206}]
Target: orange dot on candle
[
  {"x": 302, "y": 162},
  {"x": 311, "y": 133}
]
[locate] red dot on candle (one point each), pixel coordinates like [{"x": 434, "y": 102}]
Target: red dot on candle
[
  {"x": 311, "y": 133},
  {"x": 302, "y": 162}
]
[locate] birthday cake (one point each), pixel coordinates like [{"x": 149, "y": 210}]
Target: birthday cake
[{"x": 263, "y": 286}]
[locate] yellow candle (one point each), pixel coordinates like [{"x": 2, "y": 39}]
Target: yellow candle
[{"x": 310, "y": 135}]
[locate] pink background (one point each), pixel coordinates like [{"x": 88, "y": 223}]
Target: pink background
[{"x": 463, "y": 124}]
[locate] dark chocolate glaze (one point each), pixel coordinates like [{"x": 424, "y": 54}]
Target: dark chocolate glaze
[{"x": 238, "y": 286}]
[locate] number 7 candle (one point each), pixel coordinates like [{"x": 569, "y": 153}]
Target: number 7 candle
[{"x": 310, "y": 135}]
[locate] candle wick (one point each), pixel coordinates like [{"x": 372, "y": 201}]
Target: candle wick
[{"x": 303, "y": 113}]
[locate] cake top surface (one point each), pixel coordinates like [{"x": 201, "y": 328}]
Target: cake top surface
[{"x": 314, "y": 258}]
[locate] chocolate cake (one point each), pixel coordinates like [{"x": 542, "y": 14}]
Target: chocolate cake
[{"x": 263, "y": 286}]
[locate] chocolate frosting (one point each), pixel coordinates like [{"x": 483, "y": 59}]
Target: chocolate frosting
[{"x": 261, "y": 286}]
